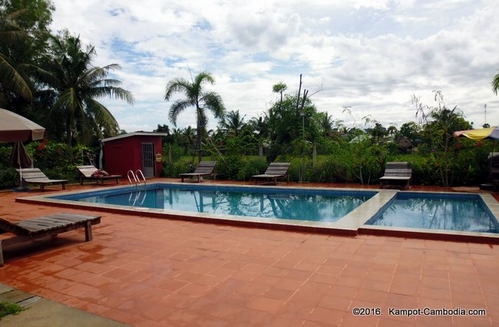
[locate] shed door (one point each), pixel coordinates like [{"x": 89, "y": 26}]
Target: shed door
[{"x": 148, "y": 159}]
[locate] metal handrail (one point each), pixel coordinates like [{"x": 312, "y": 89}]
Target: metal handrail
[
  {"x": 137, "y": 196},
  {"x": 139, "y": 174},
  {"x": 135, "y": 177}
]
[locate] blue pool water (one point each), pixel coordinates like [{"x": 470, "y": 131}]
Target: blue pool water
[
  {"x": 435, "y": 211},
  {"x": 284, "y": 203}
]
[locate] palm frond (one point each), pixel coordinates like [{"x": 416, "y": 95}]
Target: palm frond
[
  {"x": 11, "y": 77},
  {"x": 178, "y": 85},
  {"x": 495, "y": 83},
  {"x": 176, "y": 108}
]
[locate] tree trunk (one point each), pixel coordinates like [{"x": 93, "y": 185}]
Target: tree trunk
[
  {"x": 69, "y": 135},
  {"x": 198, "y": 137},
  {"x": 314, "y": 154}
]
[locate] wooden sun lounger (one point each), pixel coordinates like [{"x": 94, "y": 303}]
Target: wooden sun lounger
[
  {"x": 205, "y": 168},
  {"x": 274, "y": 171},
  {"x": 37, "y": 177},
  {"x": 396, "y": 172},
  {"x": 86, "y": 173},
  {"x": 49, "y": 225}
]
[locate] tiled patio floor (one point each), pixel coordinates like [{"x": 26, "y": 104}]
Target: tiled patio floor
[{"x": 155, "y": 272}]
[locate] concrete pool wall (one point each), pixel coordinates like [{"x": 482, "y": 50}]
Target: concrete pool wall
[{"x": 350, "y": 225}]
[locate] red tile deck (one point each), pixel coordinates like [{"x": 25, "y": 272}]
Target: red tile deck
[{"x": 157, "y": 272}]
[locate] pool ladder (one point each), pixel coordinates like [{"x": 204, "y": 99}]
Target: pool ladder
[
  {"x": 136, "y": 177},
  {"x": 137, "y": 197}
]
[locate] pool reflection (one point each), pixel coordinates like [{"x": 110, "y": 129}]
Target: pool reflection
[
  {"x": 324, "y": 207},
  {"x": 436, "y": 213}
]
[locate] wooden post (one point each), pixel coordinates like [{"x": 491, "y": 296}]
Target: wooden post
[{"x": 88, "y": 231}]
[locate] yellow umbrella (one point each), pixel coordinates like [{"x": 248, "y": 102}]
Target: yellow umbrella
[{"x": 479, "y": 134}]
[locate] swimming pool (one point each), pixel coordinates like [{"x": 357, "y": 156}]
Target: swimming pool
[
  {"x": 211, "y": 205},
  {"x": 437, "y": 211},
  {"x": 273, "y": 203}
]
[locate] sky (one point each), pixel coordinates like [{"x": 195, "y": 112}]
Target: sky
[{"x": 363, "y": 61}]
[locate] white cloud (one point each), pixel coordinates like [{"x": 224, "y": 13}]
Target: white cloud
[{"x": 371, "y": 55}]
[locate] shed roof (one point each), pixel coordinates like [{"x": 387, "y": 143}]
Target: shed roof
[{"x": 122, "y": 136}]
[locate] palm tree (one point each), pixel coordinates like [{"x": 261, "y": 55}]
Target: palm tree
[
  {"x": 325, "y": 122},
  {"x": 232, "y": 123},
  {"x": 197, "y": 97},
  {"x": 260, "y": 128},
  {"x": 187, "y": 139},
  {"x": 279, "y": 88},
  {"x": 12, "y": 77},
  {"x": 495, "y": 83},
  {"x": 76, "y": 84},
  {"x": 23, "y": 41}
]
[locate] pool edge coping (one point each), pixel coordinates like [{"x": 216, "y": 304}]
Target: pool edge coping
[{"x": 351, "y": 224}]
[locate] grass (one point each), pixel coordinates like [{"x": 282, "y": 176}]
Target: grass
[{"x": 7, "y": 308}]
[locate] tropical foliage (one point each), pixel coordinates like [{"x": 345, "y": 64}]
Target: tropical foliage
[
  {"x": 51, "y": 79},
  {"x": 195, "y": 96},
  {"x": 495, "y": 83},
  {"x": 23, "y": 35},
  {"x": 73, "y": 87}
]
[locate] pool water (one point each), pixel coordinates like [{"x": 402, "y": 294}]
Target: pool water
[
  {"x": 294, "y": 204},
  {"x": 456, "y": 212}
]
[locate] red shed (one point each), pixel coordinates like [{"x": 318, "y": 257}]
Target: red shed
[{"x": 139, "y": 150}]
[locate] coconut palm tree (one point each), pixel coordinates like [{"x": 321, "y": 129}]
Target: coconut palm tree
[
  {"x": 197, "y": 97},
  {"x": 495, "y": 83},
  {"x": 13, "y": 80},
  {"x": 23, "y": 41},
  {"x": 76, "y": 85},
  {"x": 325, "y": 123},
  {"x": 261, "y": 131},
  {"x": 232, "y": 123}
]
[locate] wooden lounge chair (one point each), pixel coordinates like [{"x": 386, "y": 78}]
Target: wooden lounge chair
[
  {"x": 37, "y": 177},
  {"x": 274, "y": 171},
  {"x": 205, "y": 168},
  {"x": 90, "y": 172},
  {"x": 50, "y": 225},
  {"x": 397, "y": 172}
]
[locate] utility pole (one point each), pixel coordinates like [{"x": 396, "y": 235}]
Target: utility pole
[{"x": 485, "y": 111}]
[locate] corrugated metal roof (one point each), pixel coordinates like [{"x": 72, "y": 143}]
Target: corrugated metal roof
[{"x": 122, "y": 136}]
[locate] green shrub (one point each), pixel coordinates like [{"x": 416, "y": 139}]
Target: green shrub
[
  {"x": 177, "y": 167},
  {"x": 5, "y": 151},
  {"x": 329, "y": 170},
  {"x": 8, "y": 178},
  {"x": 58, "y": 160},
  {"x": 250, "y": 167},
  {"x": 8, "y": 308},
  {"x": 228, "y": 166}
]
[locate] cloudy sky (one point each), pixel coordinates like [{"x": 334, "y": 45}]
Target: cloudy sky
[{"x": 371, "y": 56}]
